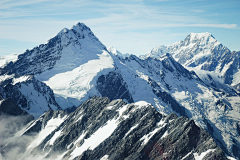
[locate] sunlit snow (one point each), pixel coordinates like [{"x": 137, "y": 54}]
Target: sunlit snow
[{"x": 99, "y": 136}]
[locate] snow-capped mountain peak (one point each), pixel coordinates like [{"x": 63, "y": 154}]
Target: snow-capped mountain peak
[
  {"x": 194, "y": 50},
  {"x": 203, "y": 52},
  {"x": 64, "y": 52},
  {"x": 68, "y": 54},
  {"x": 74, "y": 66},
  {"x": 80, "y": 27},
  {"x": 198, "y": 36},
  {"x": 64, "y": 30},
  {"x": 115, "y": 52},
  {"x": 201, "y": 38}
]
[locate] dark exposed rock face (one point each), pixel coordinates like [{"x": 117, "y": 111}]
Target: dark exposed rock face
[
  {"x": 161, "y": 68},
  {"x": 45, "y": 56},
  {"x": 178, "y": 68},
  {"x": 139, "y": 132},
  {"x": 234, "y": 59},
  {"x": 204, "y": 51},
  {"x": 29, "y": 94},
  {"x": 167, "y": 98},
  {"x": 161, "y": 77},
  {"x": 40, "y": 123},
  {"x": 8, "y": 107},
  {"x": 218, "y": 54},
  {"x": 113, "y": 86},
  {"x": 237, "y": 87},
  {"x": 167, "y": 78}
]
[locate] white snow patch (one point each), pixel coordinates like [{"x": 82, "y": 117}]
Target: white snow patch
[
  {"x": 141, "y": 103},
  {"x": 55, "y": 136},
  {"x": 64, "y": 30},
  {"x": 234, "y": 114},
  {"x": 79, "y": 118},
  {"x": 79, "y": 138},
  {"x": 148, "y": 136},
  {"x": 165, "y": 134},
  {"x": 121, "y": 110},
  {"x": 236, "y": 78},
  {"x": 162, "y": 121},
  {"x": 79, "y": 82},
  {"x": 38, "y": 102},
  {"x": 20, "y": 79},
  {"x": 132, "y": 128},
  {"x": 197, "y": 36},
  {"x": 200, "y": 157},
  {"x": 1, "y": 101},
  {"x": 105, "y": 157},
  {"x": 98, "y": 137},
  {"x": 226, "y": 67},
  {"x": 51, "y": 125},
  {"x": 110, "y": 107},
  {"x": 115, "y": 52},
  {"x": 231, "y": 158},
  {"x": 186, "y": 155},
  {"x": 5, "y": 77}
]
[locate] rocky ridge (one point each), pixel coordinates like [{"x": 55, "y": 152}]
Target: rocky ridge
[
  {"x": 203, "y": 51},
  {"x": 104, "y": 129},
  {"x": 77, "y": 66}
]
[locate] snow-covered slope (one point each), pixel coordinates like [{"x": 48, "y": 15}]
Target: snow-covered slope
[
  {"x": 164, "y": 81},
  {"x": 30, "y": 94},
  {"x": 203, "y": 51},
  {"x": 193, "y": 51},
  {"x": 115, "y": 52},
  {"x": 76, "y": 66},
  {"x": 104, "y": 129},
  {"x": 69, "y": 63},
  {"x": 64, "y": 52}
]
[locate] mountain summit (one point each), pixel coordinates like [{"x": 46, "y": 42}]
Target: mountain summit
[
  {"x": 202, "y": 51},
  {"x": 74, "y": 66},
  {"x": 63, "y": 61},
  {"x": 64, "y": 52},
  {"x": 193, "y": 51}
]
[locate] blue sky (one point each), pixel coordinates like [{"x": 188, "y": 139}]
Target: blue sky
[{"x": 131, "y": 26}]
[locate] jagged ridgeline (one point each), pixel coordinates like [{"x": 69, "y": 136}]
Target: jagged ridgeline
[
  {"x": 202, "y": 50},
  {"x": 74, "y": 66},
  {"x": 105, "y": 129}
]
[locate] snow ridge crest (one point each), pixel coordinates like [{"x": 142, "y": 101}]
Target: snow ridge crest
[{"x": 193, "y": 50}]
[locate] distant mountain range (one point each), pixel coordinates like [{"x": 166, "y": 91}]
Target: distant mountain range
[
  {"x": 196, "y": 78},
  {"x": 203, "y": 51}
]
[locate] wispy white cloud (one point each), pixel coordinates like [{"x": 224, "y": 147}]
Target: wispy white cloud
[
  {"x": 8, "y": 4},
  {"x": 226, "y": 26},
  {"x": 37, "y": 21}
]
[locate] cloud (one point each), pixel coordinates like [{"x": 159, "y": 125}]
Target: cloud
[
  {"x": 8, "y": 4},
  {"x": 226, "y": 26},
  {"x": 37, "y": 21},
  {"x": 11, "y": 144}
]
